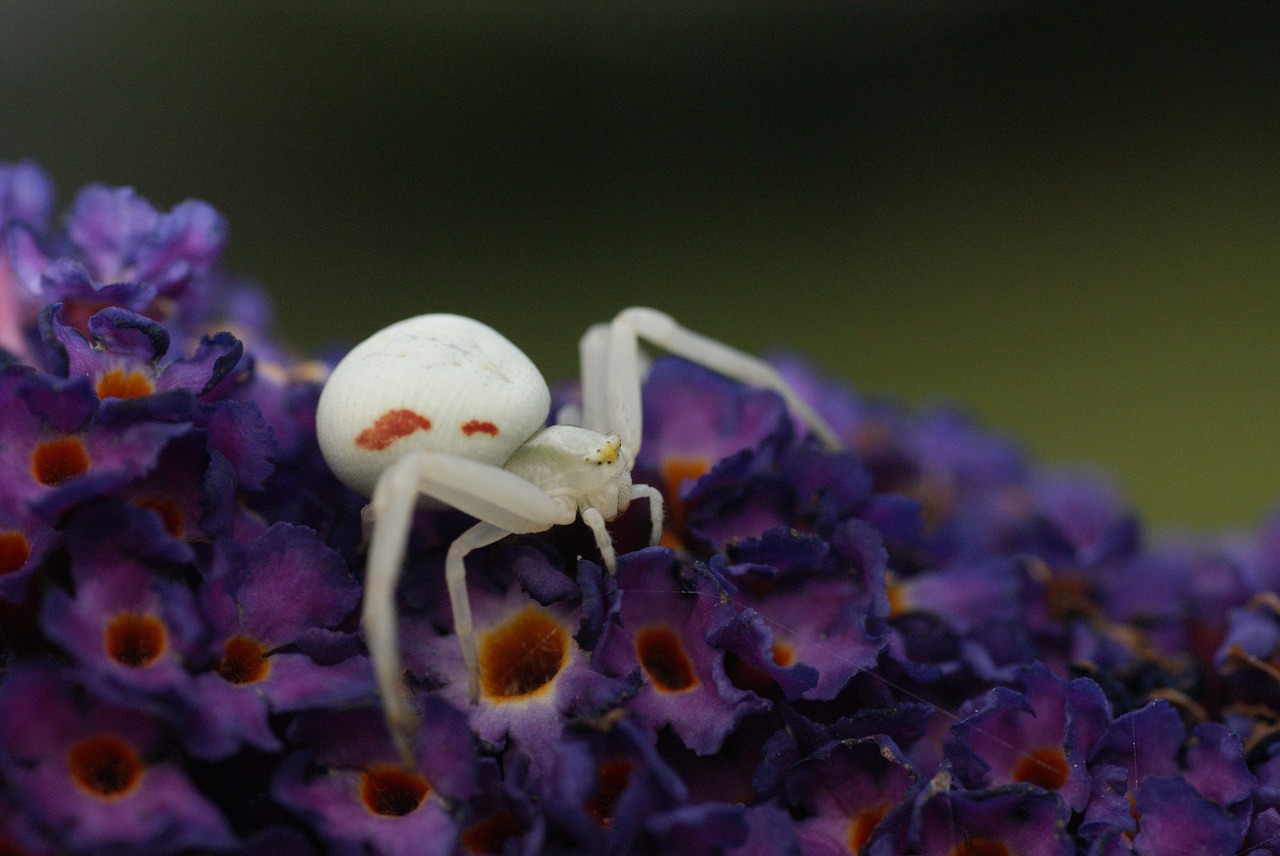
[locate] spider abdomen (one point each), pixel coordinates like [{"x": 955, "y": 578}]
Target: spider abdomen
[{"x": 438, "y": 382}]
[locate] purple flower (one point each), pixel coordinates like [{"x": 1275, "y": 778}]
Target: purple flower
[
  {"x": 1143, "y": 788},
  {"x": 845, "y": 789},
  {"x": 504, "y": 816},
  {"x": 94, "y": 776},
  {"x": 25, "y": 543},
  {"x": 349, "y": 785},
  {"x": 606, "y": 781},
  {"x": 693, "y": 419},
  {"x": 26, "y": 196},
  {"x": 128, "y": 621},
  {"x": 1246, "y": 656},
  {"x": 124, "y": 355},
  {"x": 1042, "y": 736},
  {"x": 810, "y": 629},
  {"x": 276, "y": 611},
  {"x": 1015, "y": 819},
  {"x": 666, "y": 613},
  {"x": 533, "y": 673},
  {"x": 117, "y": 250},
  {"x": 60, "y": 449}
]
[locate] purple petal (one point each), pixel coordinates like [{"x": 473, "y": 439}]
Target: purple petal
[
  {"x": 215, "y": 357},
  {"x": 292, "y": 582},
  {"x": 128, "y": 334},
  {"x": 1173, "y": 818},
  {"x": 188, "y": 239},
  {"x": 106, "y": 224},
  {"x": 296, "y": 682},
  {"x": 26, "y": 194},
  {"x": 238, "y": 431}
]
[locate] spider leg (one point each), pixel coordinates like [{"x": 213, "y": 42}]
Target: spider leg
[
  {"x": 656, "y": 509},
  {"x": 595, "y": 522},
  {"x": 599, "y": 375},
  {"x": 593, "y": 353},
  {"x": 455, "y": 575},
  {"x": 504, "y": 503},
  {"x": 621, "y": 390}
]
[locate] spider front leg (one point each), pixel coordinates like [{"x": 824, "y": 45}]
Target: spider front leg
[
  {"x": 612, "y": 394},
  {"x": 503, "y": 502},
  {"x": 604, "y": 541},
  {"x": 657, "y": 509}
]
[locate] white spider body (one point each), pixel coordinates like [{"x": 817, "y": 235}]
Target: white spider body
[
  {"x": 442, "y": 383},
  {"x": 591, "y": 469},
  {"x": 443, "y": 409}
]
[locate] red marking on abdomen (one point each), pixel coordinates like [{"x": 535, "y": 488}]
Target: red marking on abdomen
[
  {"x": 391, "y": 426},
  {"x": 476, "y": 426}
]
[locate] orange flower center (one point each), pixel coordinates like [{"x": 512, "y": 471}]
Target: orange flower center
[
  {"x": 675, "y": 472},
  {"x": 391, "y": 791},
  {"x": 980, "y": 847},
  {"x": 14, "y": 551},
  {"x": 243, "y": 661},
  {"x": 748, "y": 677},
  {"x": 522, "y": 655},
  {"x": 611, "y": 780},
  {"x": 1045, "y": 766},
  {"x": 865, "y": 823},
  {"x": 169, "y": 513},
  {"x": 104, "y": 766},
  {"x": 664, "y": 659},
  {"x": 118, "y": 383},
  {"x": 55, "y": 461},
  {"x": 135, "y": 640},
  {"x": 490, "y": 834}
]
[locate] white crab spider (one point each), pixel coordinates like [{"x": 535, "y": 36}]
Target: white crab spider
[{"x": 444, "y": 407}]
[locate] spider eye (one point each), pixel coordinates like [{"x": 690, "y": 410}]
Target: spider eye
[{"x": 606, "y": 454}]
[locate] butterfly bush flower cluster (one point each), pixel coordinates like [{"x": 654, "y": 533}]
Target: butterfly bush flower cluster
[{"x": 923, "y": 644}]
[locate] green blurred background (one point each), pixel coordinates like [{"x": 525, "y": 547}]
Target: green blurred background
[{"x": 1062, "y": 215}]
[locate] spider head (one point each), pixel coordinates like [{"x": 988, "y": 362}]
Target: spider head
[
  {"x": 613, "y": 462},
  {"x": 592, "y": 468}
]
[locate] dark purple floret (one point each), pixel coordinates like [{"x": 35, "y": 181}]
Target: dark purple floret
[
  {"x": 1144, "y": 742},
  {"x": 25, "y": 543},
  {"x": 1246, "y": 656},
  {"x": 1174, "y": 818},
  {"x": 59, "y": 452},
  {"x": 534, "y": 675},
  {"x": 264, "y": 605},
  {"x": 117, "y": 250},
  {"x": 694, "y": 418},
  {"x": 820, "y": 620},
  {"x": 348, "y": 784},
  {"x": 705, "y": 829},
  {"x": 119, "y": 237},
  {"x": 98, "y": 777},
  {"x": 1264, "y": 834},
  {"x": 129, "y": 622},
  {"x": 667, "y": 612},
  {"x": 505, "y": 816},
  {"x": 1017, "y": 820},
  {"x": 1042, "y": 736},
  {"x": 845, "y": 789},
  {"x": 606, "y": 781},
  {"x": 770, "y": 832},
  {"x": 1214, "y": 765},
  {"x": 1086, "y": 507}
]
